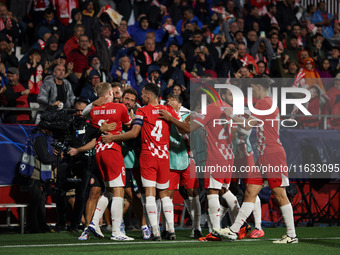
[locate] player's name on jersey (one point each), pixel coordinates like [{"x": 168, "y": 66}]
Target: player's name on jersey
[{"x": 105, "y": 111}]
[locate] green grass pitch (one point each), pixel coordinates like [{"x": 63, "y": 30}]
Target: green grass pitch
[{"x": 312, "y": 240}]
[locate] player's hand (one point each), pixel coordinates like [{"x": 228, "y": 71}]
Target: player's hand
[
  {"x": 108, "y": 137},
  {"x": 228, "y": 111},
  {"x": 164, "y": 115},
  {"x": 132, "y": 115},
  {"x": 107, "y": 126},
  {"x": 73, "y": 151}
]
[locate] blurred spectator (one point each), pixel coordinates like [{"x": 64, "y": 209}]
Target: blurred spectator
[
  {"x": 197, "y": 41},
  {"x": 334, "y": 59},
  {"x": 50, "y": 52},
  {"x": 7, "y": 52},
  {"x": 244, "y": 58},
  {"x": 322, "y": 18},
  {"x": 148, "y": 56},
  {"x": 51, "y": 23},
  {"x": 262, "y": 51},
  {"x": 16, "y": 96},
  {"x": 8, "y": 26},
  {"x": 56, "y": 90},
  {"x": 89, "y": 90},
  {"x": 325, "y": 73},
  {"x": 31, "y": 76},
  {"x": 201, "y": 11},
  {"x": 292, "y": 49},
  {"x": 43, "y": 35},
  {"x": 292, "y": 66},
  {"x": 64, "y": 10},
  {"x": 178, "y": 90},
  {"x": 73, "y": 42},
  {"x": 316, "y": 48},
  {"x": 333, "y": 106},
  {"x": 88, "y": 17},
  {"x": 104, "y": 44},
  {"x": 251, "y": 18},
  {"x": 80, "y": 56},
  {"x": 311, "y": 76},
  {"x": 141, "y": 28},
  {"x": 285, "y": 15},
  {"x": 200, "y": 61},
  {"x": 76, "y": 17},
  {"x": 188, "y": 17},
  {"x": 126, "y": 72},
  {"x": 314, "y": 107},
  {"x": 269, "y": 19}
]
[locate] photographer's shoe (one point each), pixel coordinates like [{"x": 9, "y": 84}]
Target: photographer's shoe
[{"x": 96, "y": 230}]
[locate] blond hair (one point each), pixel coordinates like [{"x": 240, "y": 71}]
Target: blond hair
[{"x": 103, "y": 88}]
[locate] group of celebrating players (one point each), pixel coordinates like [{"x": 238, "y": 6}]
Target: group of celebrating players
[{"x": 160, "y": 135}]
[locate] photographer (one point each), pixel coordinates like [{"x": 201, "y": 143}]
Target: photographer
[
  {"x": 38, "y": 184},
  {"x": 74, "y": 171}
]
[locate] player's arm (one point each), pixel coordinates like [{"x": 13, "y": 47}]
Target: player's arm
[
  {"x": 165, "y": 115},
  {"x": 241, "y": 122},
  {"x": 133, "y": 133},
  {"x": 86, "y": 147}
]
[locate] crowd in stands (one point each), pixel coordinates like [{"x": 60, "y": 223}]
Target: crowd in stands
[{"x": 68, "y": 47}]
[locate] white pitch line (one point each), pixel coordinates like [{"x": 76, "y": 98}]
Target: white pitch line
[{"x": 152, "y": 242}]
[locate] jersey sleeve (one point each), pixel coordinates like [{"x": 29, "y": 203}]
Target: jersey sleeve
[
  {"x": 173, "y": 113},
  {"x": 139, "y": 118},
  {"x": 203, "y": 120}
]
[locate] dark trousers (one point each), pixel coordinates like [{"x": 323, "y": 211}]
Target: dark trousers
[{"x": 36, "y": 213}]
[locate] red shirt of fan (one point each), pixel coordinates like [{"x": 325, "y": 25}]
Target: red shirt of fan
[
  {"x": 112, "y": 112},
  {"x": 219, "y": 141},
  {"x": 155, "y": 131},
  {"x": 268, "y": 134}
]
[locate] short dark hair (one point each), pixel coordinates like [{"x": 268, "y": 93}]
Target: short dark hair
[
  {"x": 130, "y": 91},
  {"x": 82, "y": 100},
  {"x": 197, "y": 32},
  {"x": 239, "y": 31},
  {"x": 153, "y": 88},
  {"x": 78, "y": 26},
  {"x": 116, "y": 84},
  {"x": 336, "y": 48},
  {"x": 262, "y": 79},
  {"x": 178, "y": 98},
  {"x": 129, "y": 40},
  {"x": 163, "y": 62},
  {"x": 49, "y": 10}
]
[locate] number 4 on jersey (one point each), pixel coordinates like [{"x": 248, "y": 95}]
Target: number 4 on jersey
[{"x": 157, "y": 130}]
